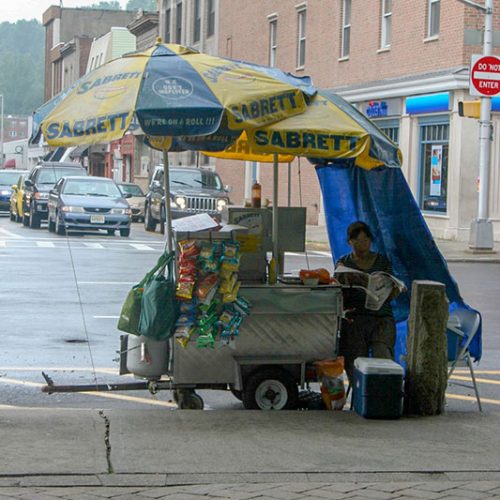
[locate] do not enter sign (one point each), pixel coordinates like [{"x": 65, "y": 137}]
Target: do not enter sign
[{"x": 485, "y": 76}]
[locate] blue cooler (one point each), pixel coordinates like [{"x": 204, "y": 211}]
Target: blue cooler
[{"x": 378, "y": 388}]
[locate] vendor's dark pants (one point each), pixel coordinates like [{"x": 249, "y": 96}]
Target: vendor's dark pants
[{"x": 366, "y": 335}]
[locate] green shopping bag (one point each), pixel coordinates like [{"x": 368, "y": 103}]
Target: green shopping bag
[
  {"x": 158, "y": 305},
  {"x": 131, "y": 310}
]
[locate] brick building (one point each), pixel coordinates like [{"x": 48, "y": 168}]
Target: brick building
[{"x": 404, "y": 64}]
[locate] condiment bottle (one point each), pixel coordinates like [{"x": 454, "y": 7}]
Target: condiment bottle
[{"x": 256, "y": 195}]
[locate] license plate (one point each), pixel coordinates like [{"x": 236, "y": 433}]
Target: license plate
[{"x": 97, "y": 219}]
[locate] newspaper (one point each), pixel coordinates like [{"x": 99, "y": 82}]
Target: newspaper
[{"x": 378, "y": 285}]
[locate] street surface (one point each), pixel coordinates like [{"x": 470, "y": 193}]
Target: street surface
[{"x": 61, "y": 297}]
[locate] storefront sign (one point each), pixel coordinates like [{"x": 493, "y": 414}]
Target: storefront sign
[
  {"x": 376, "y": 109},
  {"x": 430, "y": 103},
  {"x": 436, "y": 169},
  {"x": 381, "y": 108}
]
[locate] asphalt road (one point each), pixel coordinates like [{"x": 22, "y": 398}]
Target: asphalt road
[{"x": 60, "y": 298}]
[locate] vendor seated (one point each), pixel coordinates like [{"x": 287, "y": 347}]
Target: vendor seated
[{"x": 365, "y": 332}]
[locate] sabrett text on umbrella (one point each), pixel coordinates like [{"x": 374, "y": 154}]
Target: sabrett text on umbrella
[
  {"x": 90, "y": 84},
  {"x": 262, "y": 107},
  {"x": 304, "y": 140},
  {"x": 90, "y": 126}
]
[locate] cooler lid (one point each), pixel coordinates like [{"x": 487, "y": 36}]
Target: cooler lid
[{"x": 378, "y": 366}]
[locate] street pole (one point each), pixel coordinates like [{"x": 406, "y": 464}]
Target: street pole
[
  {"x": 1, "y": 134},
  {"x": 481, "y": 230}
]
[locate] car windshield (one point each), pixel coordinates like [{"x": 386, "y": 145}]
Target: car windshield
[
  {"x": 194, "y": 179},
  {"x": 8, "y": 178},
  {"x": 52, "y": 175},
  {"x": 91, "y": 187},
  {"x": 132, "y": 189}
]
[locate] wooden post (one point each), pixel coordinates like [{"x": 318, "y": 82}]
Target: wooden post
[{"x": 427, "y": 359}]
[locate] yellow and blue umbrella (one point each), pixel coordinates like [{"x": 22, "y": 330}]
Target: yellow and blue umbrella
[
  {"x": 330, "y": 129},
  {"x": 171, "y": 90}
]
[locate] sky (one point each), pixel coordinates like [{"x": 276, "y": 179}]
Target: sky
[{"x": 13, "y": 10}]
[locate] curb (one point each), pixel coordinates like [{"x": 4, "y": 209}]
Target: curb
[{"x": 184, "y": 479}]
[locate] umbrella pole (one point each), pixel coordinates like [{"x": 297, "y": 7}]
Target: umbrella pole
[
  {"x": 168, "y": 209},
  {"x": 289, "y": 184},
  {"x": 275, "y": 258}
]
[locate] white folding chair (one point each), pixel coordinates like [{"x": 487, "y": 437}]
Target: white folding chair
[{"x": 462, "y": 323}]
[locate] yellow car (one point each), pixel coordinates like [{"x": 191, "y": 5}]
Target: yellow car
[{"x": 16, "y": 198}]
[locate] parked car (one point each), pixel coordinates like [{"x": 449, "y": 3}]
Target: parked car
[
  {"x": 16, "y": 198},
  {"x": 7, "y": 179},
  {"x": 136, "y": 201},
  {"x": 192, "y": 191},
  {"x": 37, "y": 185},
  {"x": 88, "y": 204}
]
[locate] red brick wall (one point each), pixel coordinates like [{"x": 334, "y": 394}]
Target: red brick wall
[{"x": 244, "y": 34}]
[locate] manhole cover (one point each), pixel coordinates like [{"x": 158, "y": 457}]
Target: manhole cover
[{"x": 76, "y": 341}]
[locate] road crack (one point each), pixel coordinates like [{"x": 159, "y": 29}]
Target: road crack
[{"x": 107, "y": 441}]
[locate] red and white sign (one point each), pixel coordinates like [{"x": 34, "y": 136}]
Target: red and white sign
[{"x": 484, "y": 76}]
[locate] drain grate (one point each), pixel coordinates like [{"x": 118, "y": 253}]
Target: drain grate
[{"x": 76, "y": 341}]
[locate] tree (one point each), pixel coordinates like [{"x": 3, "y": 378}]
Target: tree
[
  {"x": 147, "y": 5},
  {"x": 111, "y": 5},
  {"x": 21, "y": 66}
]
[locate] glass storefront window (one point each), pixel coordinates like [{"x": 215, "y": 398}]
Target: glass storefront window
[{"x": 434, "y": 167}]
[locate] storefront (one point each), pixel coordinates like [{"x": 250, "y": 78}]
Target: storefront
[{"x": 440, "y": 148}]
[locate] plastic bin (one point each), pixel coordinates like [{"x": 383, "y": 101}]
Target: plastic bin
[{"x": 378, "y": 388}]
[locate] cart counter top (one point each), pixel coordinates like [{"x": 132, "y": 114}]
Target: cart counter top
[{"x": 293, "y": 299}]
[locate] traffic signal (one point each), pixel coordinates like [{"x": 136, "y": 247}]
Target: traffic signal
[{"x": 469, "y": 109}]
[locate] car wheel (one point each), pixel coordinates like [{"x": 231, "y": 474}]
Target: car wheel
[
  {"x": 149, "y": 220},
  {"x": 111, "y": 232},
  {"x": 60, "y": 229},
  {"x": 270, "y": 388},
  {"x": 51, "y": 225},
  {"x": 26, "y": 220},
  {"x": 34, "y": 219},
  {"x": 125, "y": 233}
]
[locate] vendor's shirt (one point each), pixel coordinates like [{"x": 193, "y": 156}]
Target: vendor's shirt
[{"x": 354, "y": 298}]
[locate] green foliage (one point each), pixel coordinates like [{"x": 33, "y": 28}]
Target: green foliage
[
  {"x": 21, "y": 66},
  {"x": 147, "y": 5},
  {"x": 111, "y": 5}
]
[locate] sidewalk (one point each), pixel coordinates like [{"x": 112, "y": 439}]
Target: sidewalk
[
  {"x": 84, "y": 454},
  {"x": 453, "y": 251}
]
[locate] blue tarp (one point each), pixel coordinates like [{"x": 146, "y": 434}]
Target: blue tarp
[{"x": 382, "y": 198}]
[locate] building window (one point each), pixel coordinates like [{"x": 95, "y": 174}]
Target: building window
[
  {"x": 390, "y": 128},
  {"x": 210, "y": 18},
  {"x": 197, "y": 21},
  {"x": 385, "y": 40},
  {"x": 434, "y": 166},
  {"x": 346, "y": 28},
  {"x": 273, "y": 37},
  {"x": 301, "y": 38},
  {"x": 168, "y": 21},
  {"x": 434, "y": 15},
  {"x": 178, "y": 23}
]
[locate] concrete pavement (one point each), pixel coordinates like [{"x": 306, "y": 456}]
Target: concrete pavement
[
  {"x": 246, "y": 454},
  {"x": 453, "y": 251}
]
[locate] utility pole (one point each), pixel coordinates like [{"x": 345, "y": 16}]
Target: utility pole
[
  {"x": 1, "y": 135},
  {"x": 481, "y": 231}
]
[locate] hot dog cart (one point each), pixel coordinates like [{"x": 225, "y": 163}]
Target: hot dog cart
[{"x": 288, "y": 327}]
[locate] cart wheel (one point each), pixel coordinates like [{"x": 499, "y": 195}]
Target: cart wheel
[
  {"x": 270, "y": 389},
  {"x": 236, "y": 393},
  {"x": 188, "y": 400},
  {"x": 192, "y": 402}
]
